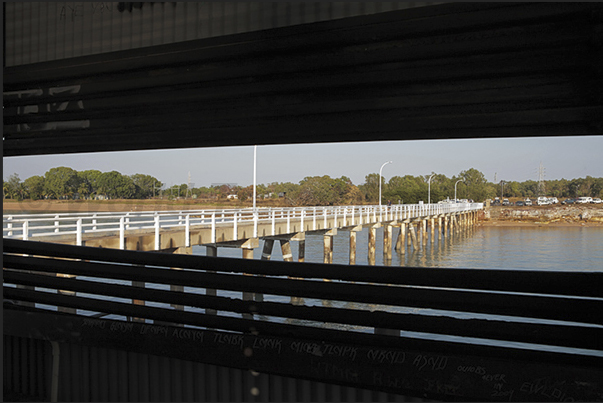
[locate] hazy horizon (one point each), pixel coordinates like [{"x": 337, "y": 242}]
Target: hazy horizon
[{"x": 512, "y": 159}]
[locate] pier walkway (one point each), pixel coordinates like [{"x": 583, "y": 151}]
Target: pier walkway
[{"x": 176, "y": 231}]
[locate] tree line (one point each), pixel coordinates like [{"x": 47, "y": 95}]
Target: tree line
[{"x": 67, "y": 183}]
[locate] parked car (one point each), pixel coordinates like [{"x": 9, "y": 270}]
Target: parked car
[
  {"x": 506, "y": 202},
  {"x": 553, "y": 200},
  {"x": 542, "y": 201},
  {"x": 596, "y": 200},
  {"x": 569, "y": 201},
  {"x": 496, "y": 202},
  {"x": 519, "y": 203},
  {"x": 584, "y": 200},
  {"x": 528, "y": 202}
]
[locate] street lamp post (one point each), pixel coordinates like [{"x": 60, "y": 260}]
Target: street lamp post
[
  {"x": 255, "y": 150},
  {"x": 460, "y": 180},
  {"x": 381, "y": 169},
  {"x": 429, "y": 189}
]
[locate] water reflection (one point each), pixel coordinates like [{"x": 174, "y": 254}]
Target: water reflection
[{"x": 545, "y": 248}]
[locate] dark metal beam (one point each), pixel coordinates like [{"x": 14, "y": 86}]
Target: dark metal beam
[{"x": 457, "y": 70}]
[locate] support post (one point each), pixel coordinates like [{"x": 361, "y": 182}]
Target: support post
[
  {"x": 415, "y": 243},
  {"x": 286, "y": 249},
  {"x": 122, "y": 236},
  {"x": 372, "y": 241},
  {"x": 387, "y": 243},
  {"x": 424, "y": 231},
  {"x": 401, "y": 242},
  {"x": 187, "y": 231},
  {"x": 301, "y": 255},
  {"x": 157, "y": 233},
  {"x": 328, "y": 248},
  {"x": 352, "y": 247},
  {"x": 267, "y": 251},
  {"x": 439, "y": 228},
  {"x": 78, "y": 240}
]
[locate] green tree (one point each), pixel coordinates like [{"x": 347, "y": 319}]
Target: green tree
[
  {"x": 440, "y": 187},
  {"x": 370, "y": 188},
  {"x": 205, "y": 192},
  {"x": 5, "y": 189},
  {"x": 89, "y": 185},
  {"x": 477, "y": 185},
  {"x": 408, "y": 188},
  {"x": 529, "y": 188},
  {"x": 116, "y": 186},
  {"x": 61, "y": 182},
  {"x": 325, "y": 191},
  {"x": 34, "y": 186},
  {"x": 13, "y": 187},
  {"x": 146, "y": 185}
]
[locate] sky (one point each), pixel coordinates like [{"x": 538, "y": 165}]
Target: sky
[{"x": 516, "y": 159}]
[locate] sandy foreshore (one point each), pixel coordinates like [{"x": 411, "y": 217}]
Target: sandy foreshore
[{"x": 85, "y": 206}]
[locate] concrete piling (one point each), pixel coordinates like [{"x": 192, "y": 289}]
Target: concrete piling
[
  {"x": 286, "y": 250},
  {"x": 328, "y": 248},
  {"x": 352, "y": 247},
  {"x": 413, "y": 235},
  {"x": 387, "y": 242},
  {"x": 267, "y": 251},
  {"x": 372, "y": 241},
  {"x": 301, "y": 250}
]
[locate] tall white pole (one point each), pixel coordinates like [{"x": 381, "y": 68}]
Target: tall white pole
[
  {"x": 381, "y": 169},
  {"x": 460, "y": 180},
  {"x": 255, "y": 153},
  {"x": 429, "y": 189}
]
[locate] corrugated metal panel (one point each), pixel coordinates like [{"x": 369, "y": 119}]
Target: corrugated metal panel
[
  {"x": 27, "y": 365},
  {"x": 101, "y": 374},
  {"x": 43, "y": 31}
]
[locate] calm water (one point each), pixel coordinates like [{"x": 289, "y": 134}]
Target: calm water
[{"x": 536, "y": 248}]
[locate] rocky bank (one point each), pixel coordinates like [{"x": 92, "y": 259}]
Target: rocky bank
[{"x": 547, "y": 214}]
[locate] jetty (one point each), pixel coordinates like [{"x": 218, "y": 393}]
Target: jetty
[{"x": 178, "y": 231}]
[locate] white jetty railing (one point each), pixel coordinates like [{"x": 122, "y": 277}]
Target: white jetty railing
[{"x": 29, "y": 226}]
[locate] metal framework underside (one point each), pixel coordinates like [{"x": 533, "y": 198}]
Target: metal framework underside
[{"x": 457, "y": 70}]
